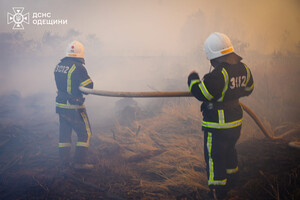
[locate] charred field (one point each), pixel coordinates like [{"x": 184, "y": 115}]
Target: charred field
[{"x": 159, "y": 156}]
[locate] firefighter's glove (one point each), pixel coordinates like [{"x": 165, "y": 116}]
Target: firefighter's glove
[{"x": 193, "y": 76}]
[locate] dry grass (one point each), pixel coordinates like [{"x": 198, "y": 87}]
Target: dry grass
[{"x": 165, "y": 156}]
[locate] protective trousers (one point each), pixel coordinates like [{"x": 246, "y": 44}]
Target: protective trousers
[
  {"x": 77, "y": 120},
  {"x": 221, "y": 157}
]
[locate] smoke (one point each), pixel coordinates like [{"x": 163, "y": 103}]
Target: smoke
[{"x": 139, "y": 45}]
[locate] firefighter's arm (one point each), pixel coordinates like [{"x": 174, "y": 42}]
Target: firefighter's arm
[
  {"x": 198, "y": 88},
  {"x": 85, "y": 80},
  {"x": 249, "y": 82}
]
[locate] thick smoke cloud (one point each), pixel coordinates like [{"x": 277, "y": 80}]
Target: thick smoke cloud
[{"x": 139, "y": 45}]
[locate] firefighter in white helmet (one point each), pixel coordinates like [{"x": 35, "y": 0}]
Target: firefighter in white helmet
[
  {"x": 70, "y": 73},
  {"x": 220, "y": 91}
]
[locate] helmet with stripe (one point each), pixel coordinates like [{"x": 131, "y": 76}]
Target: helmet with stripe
[
  {"x": 75, "y": 49},
  {"x": 217, "y": 45}
]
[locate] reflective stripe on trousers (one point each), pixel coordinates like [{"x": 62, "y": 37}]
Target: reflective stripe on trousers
[
  {"x": 232, "y": 171},
  {"x": 211, "y": 178},
  {"x": 88, "y": 131},
  {"x": 77, "y": 120},
  {"x": 61, "y": 144}
]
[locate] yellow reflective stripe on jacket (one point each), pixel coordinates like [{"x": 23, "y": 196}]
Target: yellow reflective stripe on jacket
[
  {"x": 221, "y": 116},
  {"x": 205, "y": 92},
  {"x": 64, "y": 144},
  {"x": 69, "y": 78},
  {"x": 249, "y": 88},
  {"x": 222, "y": 125},
  {"x": 193, "y": 82},
  {"x": 248, "y": 75},
  {"x": 86, "y": 82},
  {"x": 232, "y": 171},
  {"x": 69, "y": 106},
  {"x": 226, "y": 81},
  {"x": 88, "y": 131}
]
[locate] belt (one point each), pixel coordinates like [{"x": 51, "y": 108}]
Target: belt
[
  {"x": 72, "y": 99},
  {"x": 219, "y": 105}
]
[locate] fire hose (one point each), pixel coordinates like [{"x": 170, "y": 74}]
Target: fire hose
[
  {"x": 163, "y": 94},
  {"x": 293, "y": 144}
]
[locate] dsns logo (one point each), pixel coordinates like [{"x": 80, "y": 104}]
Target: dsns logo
[{"x": 18, "y": 18}]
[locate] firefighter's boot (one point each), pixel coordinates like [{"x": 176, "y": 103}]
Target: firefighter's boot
[{"x": 80, "y": 159}]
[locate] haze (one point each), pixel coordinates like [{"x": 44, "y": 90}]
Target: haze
[{"x": 138, "y": 45}]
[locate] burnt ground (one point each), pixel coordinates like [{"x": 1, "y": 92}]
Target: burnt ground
[
  {"x": 29, "y": 170},
  {"x": 268, "y": 170},
  {"x": 158, "y": 157}
]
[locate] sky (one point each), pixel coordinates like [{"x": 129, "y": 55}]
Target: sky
[
  {"x": 138, "y": 45},
  {"x": 153, "y": 27}
]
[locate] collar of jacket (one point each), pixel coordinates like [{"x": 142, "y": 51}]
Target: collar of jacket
[
  {"x": 221, "y": 65},
  {"x": 229, "y": 59},
  {"x": 74, "y": 59}
]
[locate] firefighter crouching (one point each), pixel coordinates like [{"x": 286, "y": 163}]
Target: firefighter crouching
[
  {"x": 70, "y": 73},
  {"x": 220, "y": 91}
]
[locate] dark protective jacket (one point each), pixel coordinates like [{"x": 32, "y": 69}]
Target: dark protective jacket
[
  {"x": 69, "y": 74},
  {"x": 220, "y": 91}
]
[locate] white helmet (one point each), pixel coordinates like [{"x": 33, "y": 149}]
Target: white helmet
[
  {"x": 217, "y": 45},
  {"x": 75, "y": 49}
]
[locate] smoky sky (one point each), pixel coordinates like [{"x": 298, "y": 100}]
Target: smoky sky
[
  {"x": 138, "y": 45},
  {"x": 172, "y": 27}
]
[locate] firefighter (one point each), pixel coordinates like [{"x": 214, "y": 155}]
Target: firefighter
[
  {"x": 220, "y": 90},
  {"x": 70, "y": 73}
]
